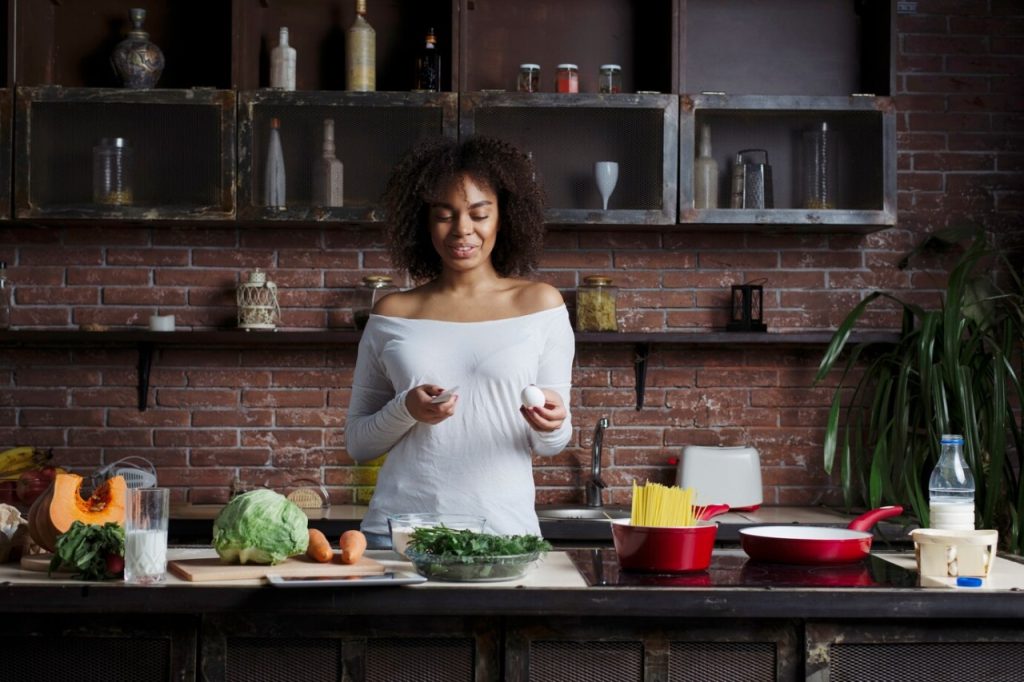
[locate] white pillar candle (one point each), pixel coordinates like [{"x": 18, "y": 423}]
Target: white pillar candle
[{"x": 161, "y": 323}]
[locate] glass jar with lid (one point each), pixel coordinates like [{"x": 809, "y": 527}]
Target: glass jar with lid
[
  {"x": 373, "y": 288},
  {"x": 609, "y": 79},
  {"x": 596, "y": 307},
  {"x": 529, "y": 78},
  {"x": 567, "y": 78}
]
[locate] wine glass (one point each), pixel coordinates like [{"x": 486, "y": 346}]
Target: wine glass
[{"x": 607, "y": 174}]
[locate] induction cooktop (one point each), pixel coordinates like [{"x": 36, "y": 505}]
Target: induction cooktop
[{"x": 733, "y": 568}]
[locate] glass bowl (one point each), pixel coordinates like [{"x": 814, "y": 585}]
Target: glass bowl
[
  {"x": 472, "y": 569},
  {"x": 401, "y": 526}
]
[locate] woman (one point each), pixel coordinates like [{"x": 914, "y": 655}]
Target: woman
[{"x": 441, "y": 367}]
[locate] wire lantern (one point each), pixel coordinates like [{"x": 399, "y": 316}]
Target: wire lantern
[{"x": 257, "y": 303}]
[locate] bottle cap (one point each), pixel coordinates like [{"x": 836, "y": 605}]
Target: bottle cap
[
  {"x": 967, "y": 581},
  {"x": 951, "y": 438},
  {"x": 567, "y": 66},
  {"x": 597, "y": 281},
  {"x": 611, "y": 67},
  {"x": 525, "y": 67}
]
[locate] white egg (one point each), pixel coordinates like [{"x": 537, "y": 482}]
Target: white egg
[{"x": 532, "y": 396}]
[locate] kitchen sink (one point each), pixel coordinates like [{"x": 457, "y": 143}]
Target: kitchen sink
[{"x": 581, "y": 513}]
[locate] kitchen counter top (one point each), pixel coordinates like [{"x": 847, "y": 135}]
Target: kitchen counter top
[{"x": 555, "y": 587}]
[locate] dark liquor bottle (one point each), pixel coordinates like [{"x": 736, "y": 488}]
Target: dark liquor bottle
[{"x": 428, "y": 66}]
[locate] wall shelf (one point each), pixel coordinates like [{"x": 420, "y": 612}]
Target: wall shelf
[{"x": 146, "y": 342}]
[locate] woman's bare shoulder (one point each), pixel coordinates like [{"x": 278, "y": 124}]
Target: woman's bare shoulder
[
  {"x": 533, "y": 297},
  {"x": 398, "y": 304}
]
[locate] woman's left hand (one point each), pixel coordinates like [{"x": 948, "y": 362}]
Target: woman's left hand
[{"x": 549, "y": 416}]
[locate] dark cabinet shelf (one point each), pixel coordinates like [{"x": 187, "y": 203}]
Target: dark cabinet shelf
[
  {"x": 183, "y": 142},
  {"x": 372, "y": 132}
]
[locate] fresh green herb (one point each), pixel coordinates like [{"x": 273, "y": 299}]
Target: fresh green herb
[
  {"x": 444, "y": 541},
  {"x": 86, "y": 547}
]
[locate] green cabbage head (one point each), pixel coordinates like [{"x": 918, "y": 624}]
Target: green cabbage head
[{"x": 260, "y": 527}]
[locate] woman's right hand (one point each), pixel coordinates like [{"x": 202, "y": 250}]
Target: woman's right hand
[{"x": 419, "y": 402}]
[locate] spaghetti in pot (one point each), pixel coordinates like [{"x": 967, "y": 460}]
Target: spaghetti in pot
[{"x": 664, "y": 506}]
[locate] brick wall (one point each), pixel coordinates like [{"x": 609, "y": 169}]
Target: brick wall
[{"x": 220, "y": 417}]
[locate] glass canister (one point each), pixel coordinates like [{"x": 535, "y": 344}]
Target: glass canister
[
  {"x": 529, "y": 78},
  {"x": 609, "y": 79},
  {"x": 567, "y": 78},
  {"x": 372, "y": 290},
  {"x": 596, "y": 309},
  {"x": 818, "y": 161},
  {"x": 112, "y": 166}
]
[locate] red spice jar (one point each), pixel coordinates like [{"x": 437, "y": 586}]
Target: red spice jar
[{"x": 567, "y": 78}]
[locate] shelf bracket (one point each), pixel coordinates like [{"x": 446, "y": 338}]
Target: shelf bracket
[
  {"x": 145, "y": 363},
  {"x": 640, "y": 354}
]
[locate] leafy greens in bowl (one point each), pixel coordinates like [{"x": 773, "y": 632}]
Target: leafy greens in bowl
[{"x": 442, "y": 553}]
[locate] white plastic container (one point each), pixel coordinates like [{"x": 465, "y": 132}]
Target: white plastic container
[{"x": 722, "y": 475}]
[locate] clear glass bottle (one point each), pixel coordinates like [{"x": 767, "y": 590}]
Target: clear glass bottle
[
  {"x": 951, "y": 488},
  {"x": 428, "y": 65},
  {"x": 273, "y": 172},
  {"x": 361, "y": 64},
  {"x": 609, "y": 79},
  {"x": 529, "y": 78},
  {"x": 328, "y": 172},
  {"x": 112, "y": 164},
  {"x": 374, "y": 288},
  {"x": 5, "y": 298},
  {"x": 567, "y": 78},
  {"x": 596, "y": 305},
  {"x": 705, "y": 173},
  {"x": 819, "y": 168},
  {"x": 282, "y": 63}
]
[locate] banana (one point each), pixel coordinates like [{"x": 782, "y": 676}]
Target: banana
[
  {"x": 15, "y": 461},
  {"x": 16, "y": 458}
]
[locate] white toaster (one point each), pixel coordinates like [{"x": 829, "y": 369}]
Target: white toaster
[{"x": 722, "y": 475}]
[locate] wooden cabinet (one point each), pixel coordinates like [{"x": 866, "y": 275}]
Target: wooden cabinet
[{"x": 758, "y": 73}]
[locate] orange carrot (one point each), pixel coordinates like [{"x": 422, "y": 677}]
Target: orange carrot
[
  {"x": 319, "y": 547},
  {"x": 353, "y": 544}
]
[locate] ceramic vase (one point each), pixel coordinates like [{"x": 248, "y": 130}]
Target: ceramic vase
[{"x": 136, "y": 60}]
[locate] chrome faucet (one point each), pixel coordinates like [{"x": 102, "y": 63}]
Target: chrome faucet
[{"x": 596, "y": 484}]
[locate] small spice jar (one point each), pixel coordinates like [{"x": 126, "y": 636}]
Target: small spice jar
[
  {"x": 609, "y": 78},
  {"x": 529, "y": 78},
  {"x": 372, "y": 289},
  {"x": 567, "y": 78},
  {"x": 596, "y": 305}
]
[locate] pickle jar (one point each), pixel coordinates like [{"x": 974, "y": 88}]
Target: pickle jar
[
  {"x": 609, "y": 79},
  {"x": 373, "y": 288},
  {"x": 596, "y": 309},
  {"x": 529, "y": 78}
]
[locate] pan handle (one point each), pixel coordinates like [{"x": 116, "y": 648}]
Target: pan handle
[
  {"x": 713, "y": 510},
  {"x": 868, "y": 519}
]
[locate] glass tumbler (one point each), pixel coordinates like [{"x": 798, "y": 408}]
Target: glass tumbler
[
  {"x": 145, "y": 535},
  {"x": 818, "y": 167},
  {"x": 112, "y": 167}
]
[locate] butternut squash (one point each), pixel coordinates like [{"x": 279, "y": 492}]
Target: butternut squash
[{"x": 62, "y": 504}]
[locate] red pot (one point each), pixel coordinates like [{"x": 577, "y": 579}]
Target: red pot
[
  {"x": 814, "y": 544},
  {"x": 652, "y": 549}
]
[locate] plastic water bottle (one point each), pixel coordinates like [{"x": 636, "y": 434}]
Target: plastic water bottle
[{"x": 951, "y": 488}]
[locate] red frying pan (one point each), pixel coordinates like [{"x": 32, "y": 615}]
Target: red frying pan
[{"x": 814, "y": 544}]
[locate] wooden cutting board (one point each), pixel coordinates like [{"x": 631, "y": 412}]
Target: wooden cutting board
[{"x": 206, "y": 569}]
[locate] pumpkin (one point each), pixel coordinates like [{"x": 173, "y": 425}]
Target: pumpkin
[{"x": 62, "y": 504}]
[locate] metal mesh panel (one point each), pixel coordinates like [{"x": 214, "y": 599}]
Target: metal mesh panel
[
  {"x": 421, "y": 659},
  {"x": 565, "y": 143},
  {"x": 721, "y": 661},
  {"x": 175, "y": 149},
  {"x": 927, "y": 662},
  {"x": 556, "y": 661},
  {"x": 86, "y": 659},
  {"x": 272, "y": 659},
  {"x": 369, "y": 142}
]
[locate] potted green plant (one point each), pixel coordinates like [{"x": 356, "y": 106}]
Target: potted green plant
[{"x": 954, "y": 369}]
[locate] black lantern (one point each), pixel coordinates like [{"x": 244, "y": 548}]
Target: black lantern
[{"x": 747, "y": 309}]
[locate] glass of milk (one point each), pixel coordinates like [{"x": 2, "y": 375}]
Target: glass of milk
[{"x": 145, "y": 535}]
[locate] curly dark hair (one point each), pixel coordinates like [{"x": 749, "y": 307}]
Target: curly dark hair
[{"x": 428, "y": 170}]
